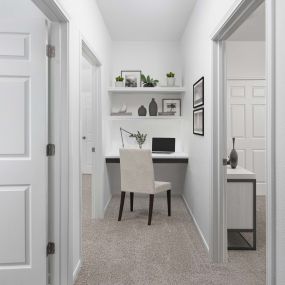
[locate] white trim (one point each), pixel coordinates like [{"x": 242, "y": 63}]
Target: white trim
[
  {"x": 237, "y": 15},
  {"x": 246, "y": 78},
  {"x": 107, "y": 204},
  {"x": 55, "y": 13},
  {"x": 77, "y": 270},
  {"x": 195, "y": 222}
]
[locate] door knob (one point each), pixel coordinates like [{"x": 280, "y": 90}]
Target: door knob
[{"x": 84, "y": 138}]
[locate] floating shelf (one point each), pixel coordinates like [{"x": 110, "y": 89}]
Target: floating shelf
[
  {"x": 147, "y": 90},
  {"x": 124, "y": 118}
]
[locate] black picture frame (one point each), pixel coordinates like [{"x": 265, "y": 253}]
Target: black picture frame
[
  {"x": 127, "y": 83},
  {"x": 169, "y": 99},
  {"x": 199, "y": 110},
  {"x": 198, "y": 85}
]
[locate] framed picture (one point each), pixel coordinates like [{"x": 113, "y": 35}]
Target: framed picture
[
  {"x": 198, "y": 93},
  {"x": 132, "y": 78},
  {"x": 171, "y": 106},
  {"x": 198, "y": 122}
]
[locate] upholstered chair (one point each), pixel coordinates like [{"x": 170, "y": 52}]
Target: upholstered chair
[{"x": 137, "y": 176}]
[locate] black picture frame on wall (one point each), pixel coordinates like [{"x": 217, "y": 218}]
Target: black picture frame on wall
[
  {"x": 198, "y": 121},
  {"x": 132, "y": 78},
  {"x": 198, "y": 93}
]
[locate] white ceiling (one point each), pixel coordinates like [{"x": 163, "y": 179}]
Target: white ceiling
[
  {"x": 253, "y": 29},
  {"x": 146, "y": 20}
]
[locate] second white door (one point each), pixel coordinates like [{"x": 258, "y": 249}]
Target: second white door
[{"x": 246, "y": 122}]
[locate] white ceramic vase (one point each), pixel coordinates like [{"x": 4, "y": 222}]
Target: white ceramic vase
[
  {"x": 170, "y": 81},
  {"x": 119, "y": 83}
]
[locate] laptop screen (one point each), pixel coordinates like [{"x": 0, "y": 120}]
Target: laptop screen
[{"x": 163, "y": 144}]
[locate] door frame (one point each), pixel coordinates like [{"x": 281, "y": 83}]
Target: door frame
[
  {"x": 218, "y": 237},
  {"x": 55, "y": 13}
]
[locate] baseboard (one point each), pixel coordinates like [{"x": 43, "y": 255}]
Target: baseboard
[
  {"x": 107, "y": 204},
  {"x": 76, "y": 270},
  {"x": 196, "y": 224}
]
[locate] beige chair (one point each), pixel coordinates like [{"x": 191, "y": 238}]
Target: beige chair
[{"x": 137, "y": 176}]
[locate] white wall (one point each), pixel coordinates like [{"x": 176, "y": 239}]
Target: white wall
[
  {"x": 85, "y": 19},
  {"x": 280, "y": 141},
  {"x": 197, "y": 59},
  {"x": 245, "y": 59}
]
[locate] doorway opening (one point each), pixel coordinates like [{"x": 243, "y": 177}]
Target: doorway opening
[
  {"x": 243, "y": 109},
  {"x": 89, "y": 139},
  {"x": 245, "y": 188}
]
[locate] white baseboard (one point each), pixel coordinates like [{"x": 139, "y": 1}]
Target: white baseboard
[
  {"x": 196, "y": 224},
  {"x": 76, "y": 270},
  {"x": 107, "y": 204}
]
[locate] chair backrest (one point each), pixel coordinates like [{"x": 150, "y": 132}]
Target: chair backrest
[{"x": 137, "y": 174}]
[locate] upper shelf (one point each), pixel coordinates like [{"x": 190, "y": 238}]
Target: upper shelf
[{"x": 147, "y": 90}]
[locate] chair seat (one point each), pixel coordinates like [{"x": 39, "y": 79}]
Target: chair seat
[{"x": 161, "y": 186}]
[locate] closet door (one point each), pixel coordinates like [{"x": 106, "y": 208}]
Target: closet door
[{"x": 247, "y": 123}]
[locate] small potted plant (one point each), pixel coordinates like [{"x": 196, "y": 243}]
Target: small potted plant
[
  {"x": 170, "y": 79},
  {"x": 119, "y": 81},
  {"x": 148, "y": 82}
]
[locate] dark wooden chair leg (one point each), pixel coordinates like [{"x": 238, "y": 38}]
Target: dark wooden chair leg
[
  {"x": 132, "y": 201},
  {"x": 151, "y": 196},
  {"x": 169, "y": 202},
  {"x": 123, "y": 194}
]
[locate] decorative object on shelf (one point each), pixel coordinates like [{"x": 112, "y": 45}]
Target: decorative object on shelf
[
  {"x": 121, "y": 114},
  {"x": 119, "y": 81},
  {"x": 198, "y": 93},
  {"x": 198, "y": 121},
  {"x": 172, "y": 106},
  {"x": 132, "y": 78},
  {"x": 233, "y": 156},
  {"x": 152, "y": 109},
  {"x": 142, "y": 111},
  {"x": 170, "y": 78},
  {"x": 123, "y": 108},
  {"x": 166, "y": 113},
  {"x": 148, "y": 81},
  {"x": 140, "y": 138}
]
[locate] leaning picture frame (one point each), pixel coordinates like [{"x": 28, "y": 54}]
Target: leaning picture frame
[
  {"x": 198, "y": 122},
  {"x": 198, "y": 93},
  {"x": 132, "y": 78}
]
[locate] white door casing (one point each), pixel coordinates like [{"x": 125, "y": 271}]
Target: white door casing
[
  {"x": 87, "y": 115},
  {"x": 23, "y": 161},
  {"x": 247, "y": 123}
]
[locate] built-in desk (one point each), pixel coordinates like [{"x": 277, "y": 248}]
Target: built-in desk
[
  {"x": 175, "y": 157},
  {"x": 241, "y": 208}
]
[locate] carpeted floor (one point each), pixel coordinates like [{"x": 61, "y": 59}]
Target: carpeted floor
[{"x": 169, "y": 251}]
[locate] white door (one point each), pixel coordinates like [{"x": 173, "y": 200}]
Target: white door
[
  {"x": 23, "y": 161},
  {"x": 247, "y": 123},
  {"x": 87, "y": 115}
]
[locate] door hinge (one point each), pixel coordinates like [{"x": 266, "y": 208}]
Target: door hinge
[
  {"x": 50, "y": 248},
  {"x": 50, "y": 51},
  {"x": 50, "y": 149}
]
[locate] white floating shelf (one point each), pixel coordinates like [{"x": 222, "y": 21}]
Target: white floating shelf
[
  {"x": 147, "y": 90},
  {"x": 122, "y": 118}
]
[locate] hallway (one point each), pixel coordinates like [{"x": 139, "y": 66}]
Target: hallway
[{"x": 169, "y": 251}]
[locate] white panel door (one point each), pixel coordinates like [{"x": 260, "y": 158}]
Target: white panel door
[
  {"x": 247, "y": 123},
  {"x": 23, "y": 161},
  {"x": 87, "y": 113}
]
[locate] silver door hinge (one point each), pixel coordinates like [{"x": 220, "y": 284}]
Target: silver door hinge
[
  {"x": 50, "y": 51},
  {"x": 50, "y": 248},
  {"x": 50, "y": 149}
]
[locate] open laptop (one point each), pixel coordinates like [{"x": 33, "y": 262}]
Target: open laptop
[{"x": 163, "y": 145}]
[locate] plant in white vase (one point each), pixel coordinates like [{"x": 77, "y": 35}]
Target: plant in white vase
[
  {"x": 170, "y": 79},
  {"x": 119, "y": 81}
]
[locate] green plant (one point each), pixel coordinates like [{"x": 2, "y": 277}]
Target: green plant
[
  {"x": 119, "y": 78},
  {"x": 140, "y": 138},
  {"x": 148, "y": 82},
  {"x": 170, "y": 74}
]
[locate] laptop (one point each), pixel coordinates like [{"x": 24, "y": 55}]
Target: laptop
[{"x": 163, "y": 145}]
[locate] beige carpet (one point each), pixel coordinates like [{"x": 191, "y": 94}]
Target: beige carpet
[{"x": 169, "y": 251}]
